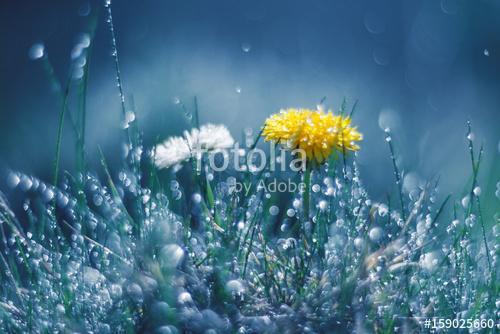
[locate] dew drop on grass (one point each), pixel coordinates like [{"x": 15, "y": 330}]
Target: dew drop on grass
[
  {"x": 358, "y": 243},
  {"x": 130, "y": 116},
  {"x": 97, "y": 199},
  {"x": 13, "y": 180},
  {"x": 382, "y": 210},
  {"x": 171, "y": 256},
  {"x": 36, "y": 51},
  {"x": 290, "y": 212},
  {"x": 174, "y": 185},
  {"x": 135, "y": 293},
  {"x": 323, "y": 205},
  {"x": 316, "y": 188},
  {"x": 60, "y": 309},
  {"x": 274, "y": 210},
  {"x": 196, "y": 198},
  {"x": 184, "y": 298},
  {"x": 238, "y": 89},
  {"x": 465, "y": 201},
  {"x": 471, "y": 136},
  {"x": 25, "y": 183},
  {"x": 48, "y": 194},
  {"x": 177, "y": 195},
  {"x": 78, "y": 73},
  {"x": 375, "y": 234},
  {"x": 235, "y": 287},
  {"x": 297, "y": 203},
  {"x": 477, "y": 191},
  {"x": 62, "y": 200},
  {"x": 470, "y": 221},
  {"x": 486, "y": 52}
]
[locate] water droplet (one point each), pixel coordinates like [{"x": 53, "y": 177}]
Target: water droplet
[
  {"x": 235, "y": 287},
  {"x": 477, "y": 191},
  {"x": 25, "y": 183},
  {"x": 374, "y": 23},
  {"x": 196, "y": 198},
  {"x": 177, "y": 195},
  {"x": 274, "y": 210},
  {"x": 375, "y": 234},
  {"x": 388, "y": 119},
  {"x": 176, "y": 100},
  {"x": 134, "y": 291},
  {"x": 246, "y": 47},
  {"x": 78, "y": 73},
  {"x": 358, "y": 243},
  {"x": 84, "y": 40},
  {"x": 84, "y": 9},
  {"x": 486, "y": 52},
  {"x": 450, "y": 7},
  {"x": 97, "y": 199},
  {"x": 297, "y": 203},
  {"x": 316, "y": 188},
  {"x": 171, "y": 256},
  {"x": 290, "y": 212},
  {"x": 184, "y": 298},
  {"x": 382, "y": 210},
  {"x": 429, "y": 261},
  {"x": 465, "y": 201},
  {"x": 37, "y": 51},
  {"x": 470, "y": 221},
  {"x": 48, "y": 194},
  {"x": 471, "y": 136},
  {"x": 13, "y": 180},
  {"x": 62, "y": 200},
  {"x": 238, "y": 89},
  {"x": 174, "y": 185},
  {"x": 381, "y": 56},
  {"x": 323, "y": 205},
  {"x": 60, "y": 309}
]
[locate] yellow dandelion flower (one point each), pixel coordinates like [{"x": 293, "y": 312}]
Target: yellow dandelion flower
[{"x": 316, "y": 132}]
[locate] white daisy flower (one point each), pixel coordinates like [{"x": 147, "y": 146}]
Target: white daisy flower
[
  {"x": 171, "y": 152},
  {"x": 208, "y": 137}
]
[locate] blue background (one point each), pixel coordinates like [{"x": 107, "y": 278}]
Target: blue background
[{"x": 419, "y": 67}]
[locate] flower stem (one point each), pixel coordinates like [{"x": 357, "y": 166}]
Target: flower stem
[{"x": 307, "y": 191}]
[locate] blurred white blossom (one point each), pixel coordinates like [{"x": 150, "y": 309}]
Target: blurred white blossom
[
  {"x": 172, "y": 151},
  {"x": 175, "y": 150},
  {"x": 209, "y": 137}
]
